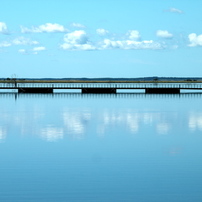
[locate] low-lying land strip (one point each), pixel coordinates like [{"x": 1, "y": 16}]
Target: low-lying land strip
[{"x": 105, "y": 80}]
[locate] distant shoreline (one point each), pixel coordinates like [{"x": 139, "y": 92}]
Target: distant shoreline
[{"x": 106, "y": 79}]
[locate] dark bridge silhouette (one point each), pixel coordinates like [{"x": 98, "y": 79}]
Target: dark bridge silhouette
[{"x": 48, "y": 86}]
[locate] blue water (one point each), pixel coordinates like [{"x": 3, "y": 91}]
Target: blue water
[{"x": 106, "y": 148}]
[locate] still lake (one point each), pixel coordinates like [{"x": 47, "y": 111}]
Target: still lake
[{"x": 101, "y": 148}]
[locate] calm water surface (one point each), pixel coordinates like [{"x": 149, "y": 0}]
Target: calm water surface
[{"x": 106, "y": 148}]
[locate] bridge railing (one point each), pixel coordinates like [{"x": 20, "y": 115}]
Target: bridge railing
[{"x": 101, "y": 85}]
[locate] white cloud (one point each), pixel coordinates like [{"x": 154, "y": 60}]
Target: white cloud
[
  {"x": 77, "y": 25},
  {"x": 24, "y": 41},
  {"x": 102, "y": 32},
  {"x": 195, "y": 40},
  {"x": 48, "y": 28},
  {"x": 19, "y": 41},
  {"x": 3, "y": 28},
  {"x": 130, "y": 44},
  {"x": 37, "y": 49},
  {"x": 77, "y": 40},
  {"x": 32, "y": 51},
  {"x": 76, "y": 37},
  {"x": 134, "y": 35},
  {"x": 67, "y": 46},
  {"x": 5, "y": 44},
  {"x": 40, "y": 48},
  {"x": 164, "y": 34},
  {"x": 175, "y": 10},
  {"x": 22, "y": 51},
  {"x": 85, "y": 47}
]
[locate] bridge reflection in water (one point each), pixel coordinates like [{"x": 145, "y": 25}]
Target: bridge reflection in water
[
  {"x": 100, "y": 87},
  {"x": 118, "y": 95}
]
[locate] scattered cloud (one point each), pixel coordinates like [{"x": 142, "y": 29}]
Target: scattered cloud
[
  {"x": 133, "y": 42},
  {"x": 24, "y": 41},
  {"x": 5, "y": 44},
  {"x": 3, "y": 28},
  {"x": 164, "y": 34},
  {"x": 77, "y": 40},
  {"x": 22, "y": 51},
  {"x": 195, "y": 40},
  {"x": 35, "y": 50},
  {"x": 18, "y": 41},
  {"x": 77, "y": 25},
  {"x": 102, "y": 32},
  {"x": 40, "y": 48},
  {"x": 130, "y": 44},
  {"x": 76, "y": 37},
  {"x": 174, "y": 10},
  {"x": 134, "y": 35},
  {"x": 46, "y": 28}
]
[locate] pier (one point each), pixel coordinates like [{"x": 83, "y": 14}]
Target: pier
[{"x": 48, "y": 86}]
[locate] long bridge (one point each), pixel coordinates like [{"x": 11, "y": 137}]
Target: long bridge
[{"x": 48, "y": 86}]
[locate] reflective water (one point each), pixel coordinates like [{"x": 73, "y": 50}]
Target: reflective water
[{"x": 120, "y": 147}]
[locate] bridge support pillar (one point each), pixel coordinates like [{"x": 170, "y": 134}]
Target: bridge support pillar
[
  {"x": 162, "y": 90},
  {"x": 98, "y": 90},
  {"x": 35, "y": 90}
]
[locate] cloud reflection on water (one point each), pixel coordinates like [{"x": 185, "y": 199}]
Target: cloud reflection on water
[
  {"x": 162, "y": 128},
  {"x": 51, "y": 133},
  {"x": 135, "y": 121},
  {"x": 195, "y": 121},
  {"x": 75, "y": 123},
  {"x": 2, "y": 133}
]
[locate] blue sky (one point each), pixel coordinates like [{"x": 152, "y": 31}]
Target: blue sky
[{"x": 108, "y": 38}]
